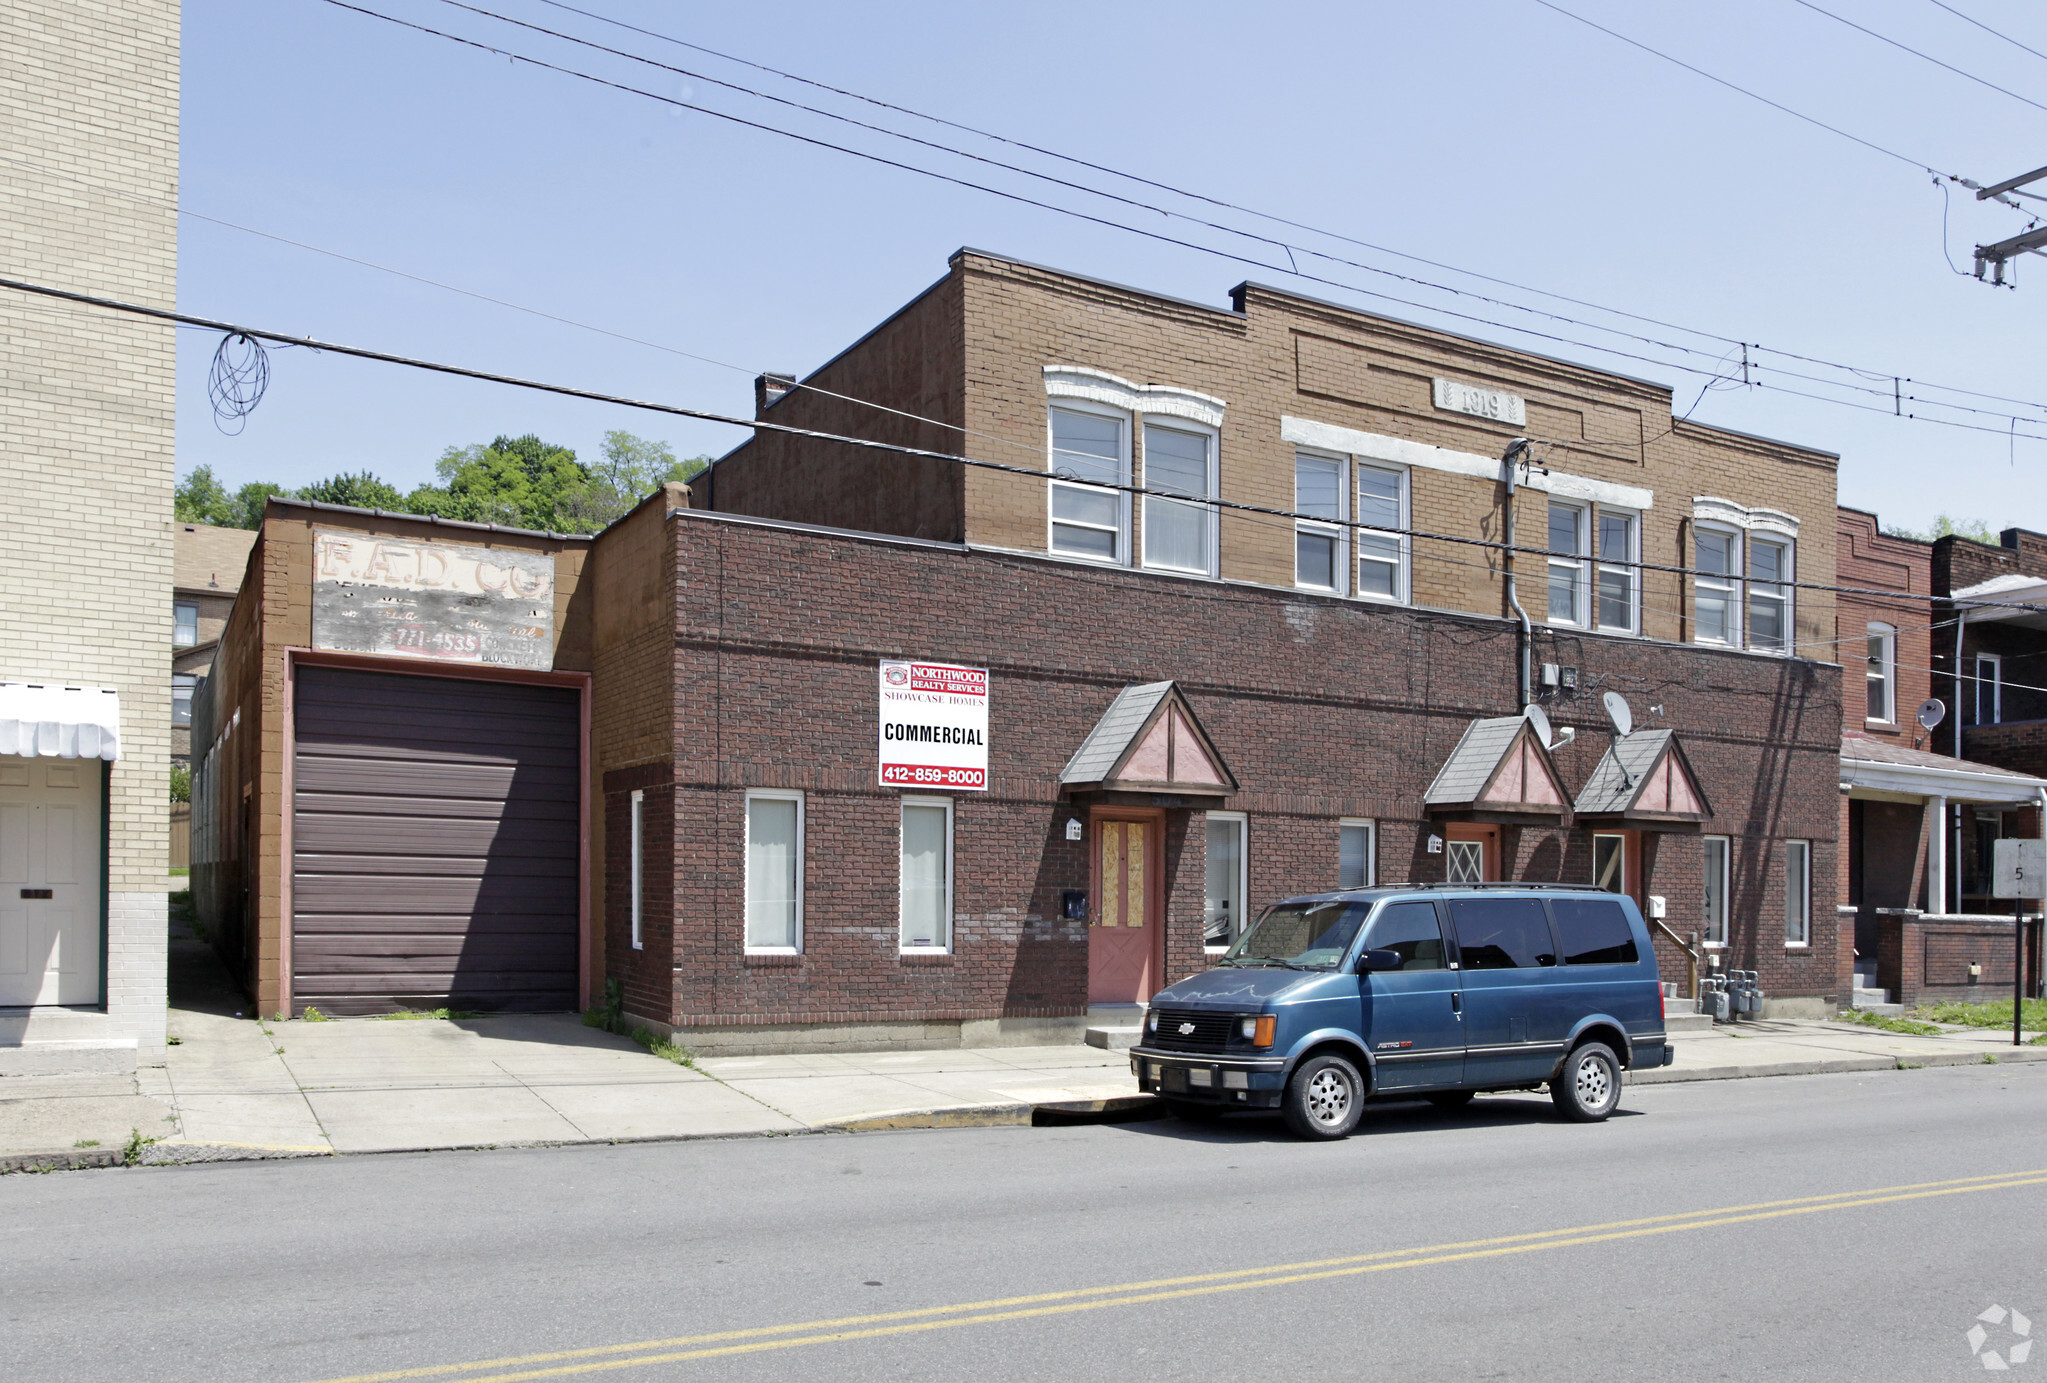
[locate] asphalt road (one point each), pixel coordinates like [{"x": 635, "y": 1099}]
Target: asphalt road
[{"x": 1739, "y": 1229}]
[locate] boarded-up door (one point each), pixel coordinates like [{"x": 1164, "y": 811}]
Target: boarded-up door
[
  {"x": 1123, "y": 943},
  {"x": 435, "y": 843}
]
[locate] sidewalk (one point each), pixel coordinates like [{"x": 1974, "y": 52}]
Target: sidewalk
[{"x": 237, "y": 1088}]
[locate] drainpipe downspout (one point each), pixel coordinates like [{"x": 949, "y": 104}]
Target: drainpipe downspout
[
  {"x": 1961, "y": 622},
  {"x": 1509, "y": 466}
]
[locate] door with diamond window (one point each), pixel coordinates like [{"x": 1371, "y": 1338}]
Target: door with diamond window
[
  {"x": 1471, "y": 853},
  {"x": 1127, "y": 923}
]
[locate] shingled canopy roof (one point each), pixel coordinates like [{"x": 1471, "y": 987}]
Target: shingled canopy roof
[
  {"x": 1499, "y": 771},
  {"x": 1148, "y": 741},
  {"x": 1644, "y": 779}
]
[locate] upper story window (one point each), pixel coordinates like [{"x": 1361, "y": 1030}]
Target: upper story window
[
  {"x": 182, "y": 687},
  {"x": 1382, "y": 556},
  {"x": 1989, "y": 688},
  {"x": 1619, "y": 588},
  {"x": 1717, "y": 587},
  {"x": 1090, "y": 448},
  {"x": 184, "y": 624},
  {"x": 1881, "y": 707},
  {"x": 1746, "y": 565},
  {"x": 1567, "y": 567},
  {"x": 1319, "y": 490},
  {"x": 1769, "y": 594},
  {"x": 1178, "y": 535}
]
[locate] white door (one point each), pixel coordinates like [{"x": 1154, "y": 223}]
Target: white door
[{"x": 49, "y": 881}]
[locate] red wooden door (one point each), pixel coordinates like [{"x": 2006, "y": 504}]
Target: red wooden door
[{"x": 1123, "y": 942}]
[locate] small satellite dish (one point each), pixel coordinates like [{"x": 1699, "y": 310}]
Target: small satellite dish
[
  {"x": 1931, "y": 713},
  {"x": 1619, "y": 712},
  {"x": 1539, "y": 718}
]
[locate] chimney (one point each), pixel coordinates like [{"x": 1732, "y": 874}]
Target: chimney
[{"x": 767, "y": 389}]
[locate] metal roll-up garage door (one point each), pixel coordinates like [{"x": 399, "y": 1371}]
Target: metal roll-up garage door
[{"x": 435, "y": 843}]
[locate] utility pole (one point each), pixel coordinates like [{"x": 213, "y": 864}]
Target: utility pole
[{"x": 2004, "y": 251}]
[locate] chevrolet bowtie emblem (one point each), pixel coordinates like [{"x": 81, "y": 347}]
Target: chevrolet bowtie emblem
[{"x": 1186, "y": 1029}]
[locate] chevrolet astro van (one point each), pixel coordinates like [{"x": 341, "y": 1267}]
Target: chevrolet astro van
[{"x": 1436, "y": 992}]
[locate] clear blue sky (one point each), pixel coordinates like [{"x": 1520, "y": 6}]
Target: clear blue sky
[{"x": 1494, "y": 135}]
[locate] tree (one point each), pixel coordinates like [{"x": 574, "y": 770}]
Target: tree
[
  {"x": 632, "y": 468},
  {"x": 522, "y": 482},
  {"x": 201, "y": 498},
  {"x": 247, "y": 509},
  {"x": 359, "y": 489},
  {"x": 1944, "y": 526}
]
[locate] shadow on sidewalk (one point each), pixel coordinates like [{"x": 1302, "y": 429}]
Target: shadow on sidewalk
[{"x": 198, "y": 982}]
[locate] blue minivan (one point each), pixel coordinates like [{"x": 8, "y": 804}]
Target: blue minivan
[{"x": 1421, "y": 991}]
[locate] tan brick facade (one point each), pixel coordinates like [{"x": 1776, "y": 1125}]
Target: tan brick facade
[{"x": 89, "y": 100}]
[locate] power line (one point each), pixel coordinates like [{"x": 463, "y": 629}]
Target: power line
[
  {"x": 759, "y": 425},
  {"x": 1951, "y": 10},
  {"x": 1925, "y": 57}
]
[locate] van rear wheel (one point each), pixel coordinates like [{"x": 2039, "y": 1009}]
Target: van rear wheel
[
  {"x": 1324, "y": 1098},
  {"x": 1588, "y": 1088}
]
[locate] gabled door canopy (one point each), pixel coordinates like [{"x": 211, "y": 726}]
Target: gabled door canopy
[
  {"x": 1499, "y": 771},
  {"x": 1149, "y": 740},
  {"x": 1644, "y": 780}
]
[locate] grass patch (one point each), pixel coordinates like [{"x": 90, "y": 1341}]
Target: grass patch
[
  {"x": 313, "y": 1015},
  {"x": 2032, "y": 1014},
  {"x": 86, "y": 1143},
  {"x": 663, "y": 1048},
  {"x": 131, "y": 1152},
  {"x": 185, "y": 873},
  {"x": 608, "y": 1013},
  {"x": 1888, "y": 1023},
  {"x": 405, "y": 1015}
]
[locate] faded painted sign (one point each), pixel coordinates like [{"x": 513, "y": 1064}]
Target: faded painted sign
[{"x": 441, "y": 601}]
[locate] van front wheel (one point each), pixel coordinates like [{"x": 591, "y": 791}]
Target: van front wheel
[
  {"x": 1588, "y": 1088},
  {"x": 1324, "y": 1098}
]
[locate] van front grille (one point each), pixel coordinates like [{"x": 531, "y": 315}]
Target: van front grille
[{"x": 1189, "y": 1030}]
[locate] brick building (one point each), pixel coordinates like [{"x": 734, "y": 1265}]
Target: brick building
[
  {"x": 1189, "y": 710},
  {"x": 1918, "y": 921},
  {"x": 91, "y": 101},
  {"x": 206, "y": 570}
]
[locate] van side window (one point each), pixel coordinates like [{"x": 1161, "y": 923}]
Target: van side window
[
  {"x": 1502, "y": 933},
  {"x": 1594, "y": 931},
  {"x": 1410, "y": 929}
]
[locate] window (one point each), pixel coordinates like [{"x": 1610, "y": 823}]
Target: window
[
  {"x": 1355, "y": 862},
  {"x": 1318, "y": 548},
  {"x": 1382, "y": 564},
  {"x": 184, "y": 625},
  {"x": 1989, "y": 689},
  {"x": 1716, "y": 848},
  {"x": 1464, "y": 861},
  {"x": 1769, "y": 595},
  {"x": 1090, "y": 449},
  {"x": 1797, "y": 892},
  {"x": 1618, "y": 584},
  {"x": 1881, "y": 675},
  {"x": 1223, "y": 917},
  {"x": 639, "y": 806},
  {"x": 1566, "y": 563},
  {"x": 182, "y": 687},
  {"x": 1594, "y": 932},
  {"x": 774, "y": 872},
  {"x": 1410, "y": 929},
  {"x": 1178, "y": 535},
  {"x": 926, "y": 877},
  {"x": 1716, "y": 590},
  {"x": 1610, "y": 863},
  {"x": 1502, "y": 933}
]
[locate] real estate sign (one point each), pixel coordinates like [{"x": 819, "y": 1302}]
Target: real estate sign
[{"x": 934, "y": 726}]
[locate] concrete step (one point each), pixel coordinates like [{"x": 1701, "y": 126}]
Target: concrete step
[
  {"x": 1114, "y": 1039},
  {"x": 1881, "y": 1010},
  {"x": 1870, "y": 998},
  {"x": 109, "y": 1056},
  {"x": 1687, "y": 1022}
]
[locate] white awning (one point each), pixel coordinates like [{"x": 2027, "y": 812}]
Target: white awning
[{"x": 41, "y": 721}]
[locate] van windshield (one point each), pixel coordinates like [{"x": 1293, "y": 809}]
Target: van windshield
[{"x": 1300, "y": 936}]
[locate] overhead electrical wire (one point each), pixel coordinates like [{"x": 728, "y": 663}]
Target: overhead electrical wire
[
  {"x": 1284, "y": 269},
  {"x": 1925, "y": 57},
  {"x": 250, "y": 333},
  {"x": 1966, "y": 19}
]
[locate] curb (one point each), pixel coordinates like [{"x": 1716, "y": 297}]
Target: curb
[
  {"x": 1666, "y": 1075},
  {"x": 65, "y": 1160}
]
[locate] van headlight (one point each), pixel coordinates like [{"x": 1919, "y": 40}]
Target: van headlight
[
  {"x": 1257, "y": 1031},
  {"x": 1151, "y": 1021}
]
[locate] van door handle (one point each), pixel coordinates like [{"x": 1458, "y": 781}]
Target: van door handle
[{"x": 1457, "y": 1003}]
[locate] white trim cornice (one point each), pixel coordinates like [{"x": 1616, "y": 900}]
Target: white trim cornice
[
  {"x": 1304, "y": 432},
  {"x": 1099, "y": 386},
  {"x": 1713, "y": 509}
]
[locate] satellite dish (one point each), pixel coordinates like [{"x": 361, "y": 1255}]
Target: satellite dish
[
  {"x": 1931, "y": 712},
  {"x": 1619, "y": 712},
  {"x": 1539, "y": 718}
]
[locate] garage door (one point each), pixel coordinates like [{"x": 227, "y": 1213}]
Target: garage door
[{"x": 435, "y": 843}]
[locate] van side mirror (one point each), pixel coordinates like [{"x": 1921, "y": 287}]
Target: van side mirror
[{"x": 1380, "y": 960}]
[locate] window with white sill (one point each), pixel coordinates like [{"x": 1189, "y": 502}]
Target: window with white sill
[
  {"x": 1716, "y": 589},
  {"x": 1319, "y": 491},
  {"x": 1179, "y": 534},
  {"x": 1881, "y": 676},
  {"x": 1382, "y": 502},
  {"x": 1090, "y": 450},
  {"x": 1567, "y": 565}
]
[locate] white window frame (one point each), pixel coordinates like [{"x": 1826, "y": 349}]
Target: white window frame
[
  {"x": 1882, "y": 670},
  {"x": 1784, "y": 594},
  {"x": 1577, "y": 562},
  {"x": 1403, "y": 584},
  {"x": 1212, "y": 442},
  {"x": 1124, "y": 422},
  {"x": 1728, "y": 587},
  {"x": 946, "y": 803},
  {"x": 637, "y": 867},
  {"x": 1337, "y": 530},
  {"x": 1243, "y": 824},
  {"x": 178, "y": 625},
  {"x": 1629, "y": 568},
  {"x": 188, "y": 683},
  {"x": 746, "y": 867},
  {"x": 1995, "y": 683},
  {"x": 1798, "y": 894},
  {"x": 1726, "y": 844},
  {"x": 1371, "y": 830}
]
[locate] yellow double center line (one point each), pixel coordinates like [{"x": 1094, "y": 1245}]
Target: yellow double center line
[{"x": 605, "y": 1358}]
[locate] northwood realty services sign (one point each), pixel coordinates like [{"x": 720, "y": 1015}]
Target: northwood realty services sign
[{"x": 934, "y": 726}]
